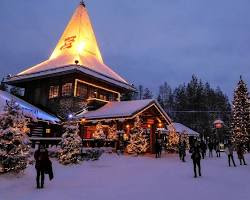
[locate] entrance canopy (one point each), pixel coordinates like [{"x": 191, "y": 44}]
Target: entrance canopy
[{"x": 127, "y": 110}]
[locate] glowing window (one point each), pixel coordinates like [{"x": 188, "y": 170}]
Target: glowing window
[
  {"x": 67, "y": 89},
  {"x": 53, "y": 91},
  {"x": 82, "y": 90}
]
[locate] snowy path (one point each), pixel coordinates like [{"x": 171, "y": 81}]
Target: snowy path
[{"x": 142, "y": 178}]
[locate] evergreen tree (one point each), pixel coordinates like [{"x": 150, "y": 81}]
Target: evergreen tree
[
  {"x": 14, "y": 148},
  {"x": 147, "y": 94},
  {"x": 112, "y": 132},
  {"x": 165, "y": 97},
  {"x": 240, "y": 117},
  {"x": 99, "y": 132},
  {"x": 70, "y": 151},
  {"x": 140, "y": 92},
  {"x": 173, "y": 140},
  {"x": 138, "y": 143}
]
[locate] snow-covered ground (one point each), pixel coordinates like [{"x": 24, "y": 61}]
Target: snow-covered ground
[{"x": 135, "y": 178}]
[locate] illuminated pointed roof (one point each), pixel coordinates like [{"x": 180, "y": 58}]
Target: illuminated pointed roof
[{"x": 77, "y": 47}]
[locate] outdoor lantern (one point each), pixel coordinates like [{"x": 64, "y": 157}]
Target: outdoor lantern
[
  {"x": 70, "y": 116},
  {"x": 83, "y": 120},
  {"x": 127, "y": 126},
  {"x": 160, "y": 125}
]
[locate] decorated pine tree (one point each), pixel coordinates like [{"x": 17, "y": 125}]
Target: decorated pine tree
[
  {"x": 99, "y": 132},
  {"x": 112, "y": 132},
  {"x": 240, "y": 118},
  {"x": 14, "y": 147},
  {"x": 70, "y": 150},
  {"x": 185, "y": 138},
  {"x": 173, "y": 140},
  {"x": 138, "y": 142}
]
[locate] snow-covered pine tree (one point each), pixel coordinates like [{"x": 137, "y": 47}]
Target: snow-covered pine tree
[
  {"x": 173, "y": 140},
  {"x": 138, "y": 142},
  {"x": 240, "y": 118},
  {"x": 99, "y": 133},
  {"x": 112, "y": 132},
  {"x": 70, "y": 149},
  {"x": 14, "y": 147}
]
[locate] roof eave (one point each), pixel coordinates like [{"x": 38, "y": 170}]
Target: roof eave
[{"x": 61, "y": 71}]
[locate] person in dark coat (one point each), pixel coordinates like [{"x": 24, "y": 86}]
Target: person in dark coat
[
  {"x": 240, "y": 152},
  {"x": 182, "y": 150},
  {"x": 43, "y": 165},
  {"x": 210, "y": 148},
  {"x": 203, "y": 149},
  {"x": 118, "y": 147},
  {"x": 196, "y": 157},
  {"x": 229, "y": 151},
  {"x": 217, "y": 149},
  {"x": 157, "y": 149}
]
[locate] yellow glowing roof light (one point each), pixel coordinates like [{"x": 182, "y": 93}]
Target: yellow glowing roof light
[
  {"x": 77, "y": 43},
  {"x": 78, "y": 37}
]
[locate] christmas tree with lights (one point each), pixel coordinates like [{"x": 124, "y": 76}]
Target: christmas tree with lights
[
  {"x": 138, "y": 143},
  {"x": 14, "y": 143},
  {"x": 240, "y": 118},
  {"x": 99, "y": 132},
  {"x": 173, "y": 140},
  {"x": 70, "y": 152},
  {"x": 112, "y": 132}
]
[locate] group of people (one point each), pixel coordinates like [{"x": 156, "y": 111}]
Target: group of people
[
  {"x": 198, "y": 151},
  {"x": 214, "y": 146}
]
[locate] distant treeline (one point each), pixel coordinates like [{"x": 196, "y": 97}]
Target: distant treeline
[{"x": 195, "y": 104}]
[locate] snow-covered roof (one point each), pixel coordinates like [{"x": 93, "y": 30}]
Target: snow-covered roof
[
  {"x": 123, "y": 109},
  {"x": 69, "y": 69},
  {"x": 181, "y": 129},
  {"x": 26, "y": 107},
  {"x": 77, "y": 43}
]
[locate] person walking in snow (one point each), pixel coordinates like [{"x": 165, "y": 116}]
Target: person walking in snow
[
  {"x": 182, "y": 150},
  {"x": 229, "y": 151},
  {"x": 203, "y": 149},
  {"x": 196, "y": 157},
  {"x": 157, "y": 149},
  {"x": 210, "y": 148},
  {"x": 43, "y": 165},
  {"x": 240, "y": 152},
  {"x": 217, "y": 149}
]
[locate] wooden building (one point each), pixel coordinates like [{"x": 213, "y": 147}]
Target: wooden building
[
  {"x": 74, "y": 75},
  {"x": 123, "y": 114}
]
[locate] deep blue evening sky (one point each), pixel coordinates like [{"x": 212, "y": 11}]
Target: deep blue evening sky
[{"x": 146, "y": 41}]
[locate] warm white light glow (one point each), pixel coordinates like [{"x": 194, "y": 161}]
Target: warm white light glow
[{"x": 80, "y": 47}]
